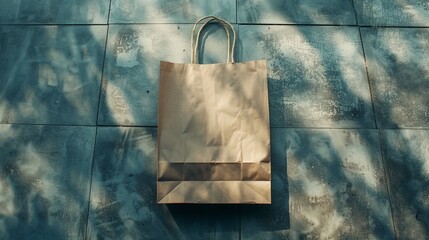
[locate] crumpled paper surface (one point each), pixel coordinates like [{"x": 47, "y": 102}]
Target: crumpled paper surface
[{"x": 213, "y": 133}]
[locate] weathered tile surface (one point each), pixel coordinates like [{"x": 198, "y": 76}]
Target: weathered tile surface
[
  {"x": 123, "y": 197},
  {"x": 406, "y": 154},
  {"x": 50, "y": 74},
  {"x": 327, "y": 184},
  {"x": 45, "y": 174},
  {"x": 316, "y": 75},
  {"x": 131, "y": 74},
  {"x": 337, "y": 187},
  {"x": 54, "y": 11},
  {"x": 298, "y": 12},
  {"x": 392, "y": 12},
  {"x": 170, "y": 11},
  {"x": 398, "y": 68}
]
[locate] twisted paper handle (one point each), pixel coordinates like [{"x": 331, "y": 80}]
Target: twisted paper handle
[{"x": 227, "y": 26}]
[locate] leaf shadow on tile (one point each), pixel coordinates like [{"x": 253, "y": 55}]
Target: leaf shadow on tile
[
  {"x": 337, "y": 186},
  {"x": 405, "y": 152},
  {"x": 45, "y": 174},
  {"x": 129, "y": 89},
  {"x": 397, "y": 67},
  {"x": 316, "y": 75},
  {"x": 51, "y": 74},
  {"x": 392, "y": 13},
  {"x": 324, "y": 189}
]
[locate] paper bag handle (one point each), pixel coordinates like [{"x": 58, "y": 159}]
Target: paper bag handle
[{"x": 226, "y": 25}]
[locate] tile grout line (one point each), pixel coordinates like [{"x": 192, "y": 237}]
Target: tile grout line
[
  {"x": 104, "y": 63},
  {"x": 96, "y": 126},
  {"x": 386, "y": 180},
  {"x": 110, "y": 10},
  {"x": 356, "y": 14},
  {"x": 366, "y": 65},
  {"x": 369, "y": 81},
  {"x": 236, "y": 11},
  {"x": 102, "y": 76},
  {"x": 90, "y": 186}
]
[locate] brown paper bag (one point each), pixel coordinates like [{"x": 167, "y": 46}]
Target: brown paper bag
[{"x": 213, "y": 130}]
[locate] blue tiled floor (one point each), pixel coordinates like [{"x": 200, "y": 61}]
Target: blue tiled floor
[{"x": 349, "y": 110}]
